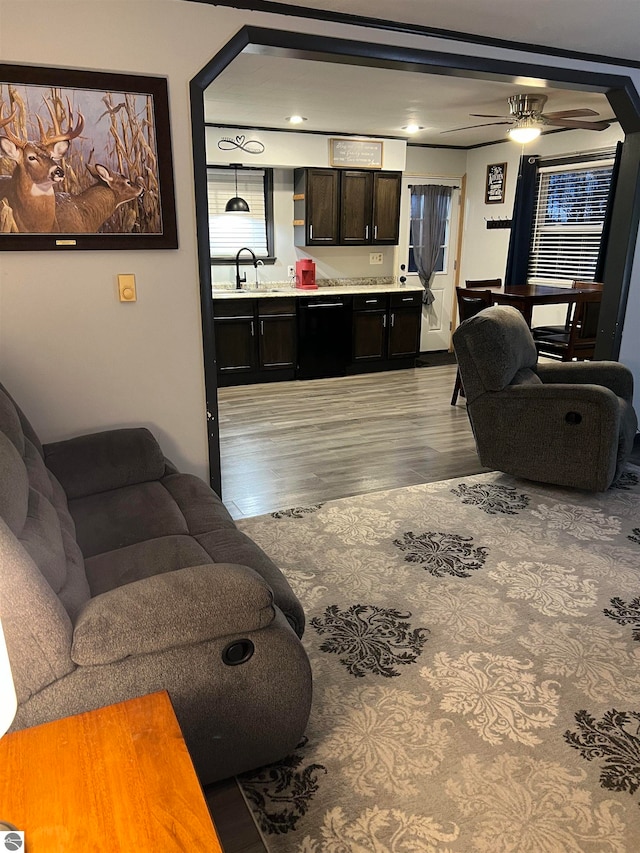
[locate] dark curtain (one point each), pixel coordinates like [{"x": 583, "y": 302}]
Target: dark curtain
[
  {"x": 524, "y": 209},
  {"x": 430, "y": 206},
  {"x": 606, "y": 226}
]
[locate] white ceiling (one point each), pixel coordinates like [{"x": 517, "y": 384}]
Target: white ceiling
[
  {"x": 600, "y": 27},
  {"x": 262, "y": 91}
]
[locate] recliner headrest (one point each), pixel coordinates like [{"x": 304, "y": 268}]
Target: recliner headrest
[{"x": 493, "y": 346}]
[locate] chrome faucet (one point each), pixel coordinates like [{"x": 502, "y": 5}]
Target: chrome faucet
[{"x": 241, "y": 281}]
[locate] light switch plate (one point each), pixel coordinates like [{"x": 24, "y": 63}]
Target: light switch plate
[
  {"x": 375, "y": 257},
  {"x": 127, "y": 287}
]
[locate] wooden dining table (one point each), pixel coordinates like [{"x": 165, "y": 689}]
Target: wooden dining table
[{"x": 525, "y": 297}]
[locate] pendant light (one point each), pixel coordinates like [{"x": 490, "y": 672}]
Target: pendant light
[{"x": 237, "y": 204}]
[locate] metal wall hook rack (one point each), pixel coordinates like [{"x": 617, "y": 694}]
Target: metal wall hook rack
[{"x": 498, "y": 222}]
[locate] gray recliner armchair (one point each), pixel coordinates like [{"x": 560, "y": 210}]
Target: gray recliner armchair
[{"x": 565, "y": 423}]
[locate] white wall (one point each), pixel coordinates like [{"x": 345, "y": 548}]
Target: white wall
[
  {"x": 291, "y": 149},
  {"x": 436, "y": 162},
  {"x": 331, "y": 261},
  {"x": 75, "y": 357},
  {"x": 484, "y": 251}
]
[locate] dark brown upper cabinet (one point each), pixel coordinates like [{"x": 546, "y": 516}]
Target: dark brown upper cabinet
[
  {"x": 316, "y": 201},
  {"x": 356, "y": 207},
  {"x": 387, "y": 187},
  {"x": 343, "y": 207}
]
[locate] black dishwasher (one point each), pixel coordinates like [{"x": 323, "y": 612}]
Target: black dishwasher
[{"x": 324, "y": 336}]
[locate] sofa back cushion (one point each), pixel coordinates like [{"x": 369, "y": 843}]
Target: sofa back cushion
[{"x": 34, "y": 507}]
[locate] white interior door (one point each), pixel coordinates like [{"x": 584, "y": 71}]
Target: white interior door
[{"x": 435, "y": 331}]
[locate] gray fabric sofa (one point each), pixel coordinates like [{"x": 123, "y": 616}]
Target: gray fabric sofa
[
  {"x": 565, "y": 423},
  {"x": 120, "y": 576}
]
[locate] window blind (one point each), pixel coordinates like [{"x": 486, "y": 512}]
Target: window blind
[
  {"x": 229, "y": 232},
  {"x": 570, "y": 211}
]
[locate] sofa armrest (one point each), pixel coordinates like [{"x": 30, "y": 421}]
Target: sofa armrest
[
  {"x": 106, "y": 460},
  {"x": 178, "y": 608},
  {"x": 611, "y": 374}
]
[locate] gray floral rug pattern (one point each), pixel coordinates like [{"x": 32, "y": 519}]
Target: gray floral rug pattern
[{"x": 475, "y": 647}]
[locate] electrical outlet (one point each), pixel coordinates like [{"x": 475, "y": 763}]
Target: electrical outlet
[
  {"x": 375, "y": 257},
  {"x": 291, "y": 271}
]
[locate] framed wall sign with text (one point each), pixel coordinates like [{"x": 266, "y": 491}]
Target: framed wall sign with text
[
  {"x": 496, "y": 177},
  {"x": 355, "y": 153},
  {"x": 85, "y": 161}
]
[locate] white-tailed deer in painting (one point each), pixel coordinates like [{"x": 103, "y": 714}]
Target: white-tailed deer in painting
[
  {"x": 29, "y": 190},
  {"x": 87, "y": 211}
]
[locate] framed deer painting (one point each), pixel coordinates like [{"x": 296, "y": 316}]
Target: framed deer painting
[{"x": 85, "y": 161}]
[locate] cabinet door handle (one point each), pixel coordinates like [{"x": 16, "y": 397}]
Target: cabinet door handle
[
  {"x": 384, "y": 321},
  {"x": 375, "y": 232},
  {"x": 262, "y": 328},
  {"x": 393, "y": 319},
  {"x": 253, "y": 331},
  {"x": 311, "y": 232},
  {"x": 366, "y": 232}
]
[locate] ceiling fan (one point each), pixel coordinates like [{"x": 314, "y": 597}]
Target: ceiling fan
[{"x": 526, "y": 113}]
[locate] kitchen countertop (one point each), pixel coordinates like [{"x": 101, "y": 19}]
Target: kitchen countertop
[{"x": 266, "y": 291}]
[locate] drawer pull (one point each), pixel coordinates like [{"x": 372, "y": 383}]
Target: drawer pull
[{"x": 370, "y": 301}]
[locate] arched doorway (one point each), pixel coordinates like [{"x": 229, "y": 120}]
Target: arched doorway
[{"x": 619, "y": 90}]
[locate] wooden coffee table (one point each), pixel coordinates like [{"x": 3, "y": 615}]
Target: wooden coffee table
[{"x": 118, "y": 778}]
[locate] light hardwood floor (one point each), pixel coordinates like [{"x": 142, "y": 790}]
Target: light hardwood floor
[{"x": 285, "y": 444}]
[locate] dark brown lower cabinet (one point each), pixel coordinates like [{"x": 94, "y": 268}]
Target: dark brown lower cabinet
[
  {"x": 277, "y": 334},
  {"x": 255, "y": 339},
  {"x": 404, "y": 332},
  {"x": 235, "y": 331},
  {"x": 386, "y": 330}
]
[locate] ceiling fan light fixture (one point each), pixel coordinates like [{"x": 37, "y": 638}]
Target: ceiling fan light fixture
[
  {"x": 525, "y": 130},
  {"x": 412, "y": 128},
  {"x": 236, "y": 204}
]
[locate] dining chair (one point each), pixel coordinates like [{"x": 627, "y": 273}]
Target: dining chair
[
  {"x": 468, "y": 306},
  {"x": 545, "y": 331},
  {"x": 579, "y": 340},
  {"x": 483, "y": 282}
]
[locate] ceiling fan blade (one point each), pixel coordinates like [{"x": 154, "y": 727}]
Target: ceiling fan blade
[
  {"x": 575, "y": 123},
  {"x": 571, "y": 114},
  {"x": 470, "y": 126},
  {"x": 488, "y": 115}
]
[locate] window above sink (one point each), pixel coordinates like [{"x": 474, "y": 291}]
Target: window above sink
[{"x": 229, "y": 232}]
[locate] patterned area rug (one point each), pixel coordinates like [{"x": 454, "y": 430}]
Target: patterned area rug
[{"x": 475, "y": 645}]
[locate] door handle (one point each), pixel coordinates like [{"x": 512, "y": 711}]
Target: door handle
[
  {"x": 253, "y": 331},
  {"x": 262, "y": 328}
]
